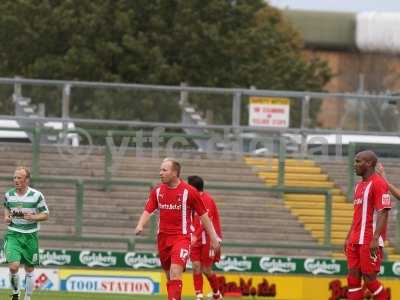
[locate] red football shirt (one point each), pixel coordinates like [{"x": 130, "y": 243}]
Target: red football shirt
[
  {"x": 213, "y": 214},
  {"x": 176, "y": 206},
  {"x": 370, "y": 196}
]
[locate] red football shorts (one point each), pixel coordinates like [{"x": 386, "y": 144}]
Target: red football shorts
[
  {"x": 173, "y": 249},
  {"x": 359, "y": 257},
  {"x": 204, "y": 254}
]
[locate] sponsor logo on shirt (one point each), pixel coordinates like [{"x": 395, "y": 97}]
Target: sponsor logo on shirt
[
  {"x": 385, "y": 199},
  {"x": 358, "y": 201},
  {"x": 171, "y": 206}
]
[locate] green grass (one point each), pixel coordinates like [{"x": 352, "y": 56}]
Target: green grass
[{"x": 41, "y": 295}]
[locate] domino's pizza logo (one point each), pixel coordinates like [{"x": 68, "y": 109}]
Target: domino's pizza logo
[{"x": 43, "y": 282}]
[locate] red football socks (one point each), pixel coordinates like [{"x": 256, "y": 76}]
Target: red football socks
[
  {"x": 212, "y": 279},
  {"x": 198, "y": 283},
  {"x": 174, "y": 288},
  {"x": 377, "y": 290},
  {"x": 355, "y": 291}
]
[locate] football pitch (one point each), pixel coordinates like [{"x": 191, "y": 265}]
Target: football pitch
[{"x": 41, "y": 295}]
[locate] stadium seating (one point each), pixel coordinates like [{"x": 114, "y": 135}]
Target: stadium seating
[
  {"x": 310, "y": 208},
  {"x": 249, "y": 216}
]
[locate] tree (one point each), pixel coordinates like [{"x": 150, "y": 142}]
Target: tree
[{"x": 224, "y": 43}]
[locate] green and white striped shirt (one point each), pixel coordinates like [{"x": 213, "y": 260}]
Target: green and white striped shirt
[{"x": 33, "y": 202}]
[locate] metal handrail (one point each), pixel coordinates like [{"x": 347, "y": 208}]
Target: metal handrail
[{"x": 79, "y": 200}]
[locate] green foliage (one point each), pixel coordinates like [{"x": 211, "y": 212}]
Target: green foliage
[{"x": 224, "y": 43}]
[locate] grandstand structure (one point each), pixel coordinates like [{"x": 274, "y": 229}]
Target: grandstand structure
[
  {"x": 275, "y": 202},
  {"x": 255, "y": 219},
  {"x": 249, "y": 215},
  {"x": 361, "y": 49}
]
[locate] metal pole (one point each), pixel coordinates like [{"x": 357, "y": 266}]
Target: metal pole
[
  {"x": 351, "y": 153},
  {"x": 281, "y": 163},
  {"x": 36, "y": 132},
  {"x": 361, "y": 112},
  {"x": 328, "y": 218},
  {"x": 236, "y": 109},
  {"x": 66, "y": 93},
  {"x": 79, "y": 194},
  {"x": 305, "y": 112},
  {"x": 184, "y": 95},
  {"x": 17, "y": 88},
  {"x": 108, "y": 161}
]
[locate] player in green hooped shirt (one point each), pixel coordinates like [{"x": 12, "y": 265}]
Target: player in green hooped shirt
[{"x": 24, "y": 208}]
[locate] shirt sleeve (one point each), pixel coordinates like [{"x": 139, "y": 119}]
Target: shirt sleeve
[
  {"x": 381, "y": 195},
  {"x": 152, "y": 203},
  {"x": 216, "y": 220},
  {"x": 196, "y": 202},
  {"x": 198, "y": 227},
  {"x": 5, "y": 203},
  {"x": 41, "y": 205}
]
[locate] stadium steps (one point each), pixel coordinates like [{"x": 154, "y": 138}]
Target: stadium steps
[
  {"x": 248, "y": 216},
  {"x": 309, "y": 208}
]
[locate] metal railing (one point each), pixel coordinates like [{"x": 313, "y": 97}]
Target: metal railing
[
  {"x": 36, "y": 133},
  {"x": 238, "y": 97},
  {"x": 107, "y": 181},
  {"x": 80, "y": 184}
]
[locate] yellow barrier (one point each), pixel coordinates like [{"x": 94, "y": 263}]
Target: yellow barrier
[{"x": 288, "y": 287}]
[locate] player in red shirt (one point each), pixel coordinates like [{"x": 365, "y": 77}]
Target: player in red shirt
[
  {"x": 365, "y": 240},
  {"x": 201, "y": 255},
  {"x": 175, "y": 201}
]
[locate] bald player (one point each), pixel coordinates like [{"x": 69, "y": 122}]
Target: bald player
[{"x": 365, "y": 240}]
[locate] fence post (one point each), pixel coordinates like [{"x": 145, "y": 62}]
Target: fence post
[
  {"x": 236, "y": 109},
  {"x": 79, "y": 195},
  {"x": 107, "y": 167},
  {"x": 281, "y": 162},
  {"x": 328, "y": 218},
  {"x": 305, "y": 112},
  {"x": 36, "y": 132},
  {"x": 131, "y": 244},
  {"x": 351, "y": 152}
]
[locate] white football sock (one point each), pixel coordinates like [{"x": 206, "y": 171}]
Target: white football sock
[{"x": 29, "y": 282}]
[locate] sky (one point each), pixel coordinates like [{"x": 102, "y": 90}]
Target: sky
[{"x": 340, "y": 5}]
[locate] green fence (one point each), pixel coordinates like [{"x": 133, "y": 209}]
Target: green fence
[
  {"x": 101, "y": 136},
  {"x": 79, "y": 201},
  {"x": 107, "y": 182}
]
